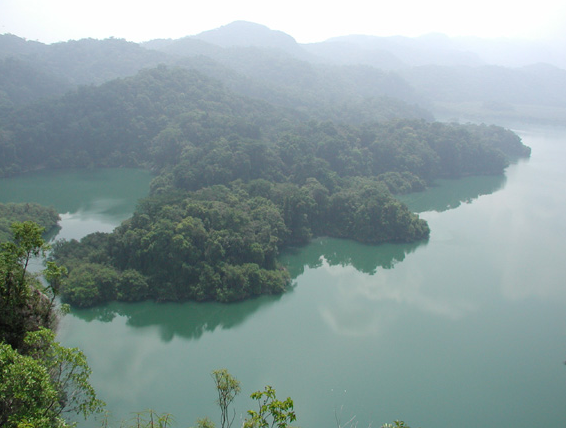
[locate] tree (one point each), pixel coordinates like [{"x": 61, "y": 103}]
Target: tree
[
  {"x": 28, "y": 243},
  {"x": 24, "y": 301},
  {"x": 396, "y": 424},
  {"x": 151, "y": 419},
  {"x": 39, "y": 379},
  {"x": 44, "y": 382},
  {"x": 26, "y": 390},
  {"x": 272, "y": 412},
  {"x": 227, "y": 387}
]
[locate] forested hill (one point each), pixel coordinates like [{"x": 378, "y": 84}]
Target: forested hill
[
  {"x": 52, "y": 70},
  {"x": 154, "y": 118},
  {"x": 485, "y": 79},
  {"x": 238, "y": 179},
  {"x": 116, "y": 123},
  {"x": 31, "y": 71}
]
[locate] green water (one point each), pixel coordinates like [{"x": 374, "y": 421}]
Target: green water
[
  {"x": 88, "y": 201},
  {"x": 467, "y": 329}
]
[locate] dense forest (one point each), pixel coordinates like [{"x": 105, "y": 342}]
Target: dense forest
[
  {"x": 42, "y": 381},
  {"x": 254, "y": 150}
]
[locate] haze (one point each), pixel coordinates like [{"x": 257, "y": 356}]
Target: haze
[{"x": 314, "y": 21}]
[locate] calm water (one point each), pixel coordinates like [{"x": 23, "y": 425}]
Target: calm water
[
  {"x": 88, "y": 201},
  {"x": 465, "y": 330}
]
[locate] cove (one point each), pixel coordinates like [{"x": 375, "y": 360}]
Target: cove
[
  {"x": 467, "y": 329},
  {"x": 91, "y": 200}
]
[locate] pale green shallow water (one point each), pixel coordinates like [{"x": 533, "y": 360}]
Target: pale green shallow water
[{"x": 465, "y": 330}]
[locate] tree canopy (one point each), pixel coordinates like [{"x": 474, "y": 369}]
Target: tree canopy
[{"x": 41, "y": 381}]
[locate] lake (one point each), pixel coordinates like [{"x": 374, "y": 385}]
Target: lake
[{"x": 467, "y": 329}]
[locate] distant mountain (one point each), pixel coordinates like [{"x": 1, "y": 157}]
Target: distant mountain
[
  {"x": 32, "y": 70},
  {"x": 91, "y": 61},
  {"x": 246, "y": 34},
  {"x": 11, "y": 45},
  {"x": 23, "y": 82},
  {"x": 393, "y": 53},
  {"x": 186, "y": 46},
  {"x": 270, "y": 65},
  {"x": 342, "y": 52},
  {"x": 540, "y": 84},
  {"x": 515, "y": 52},
  {"x": 255, "y": 61}
]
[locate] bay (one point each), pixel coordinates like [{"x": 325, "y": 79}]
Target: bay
[{"x": 467, "y": 329}]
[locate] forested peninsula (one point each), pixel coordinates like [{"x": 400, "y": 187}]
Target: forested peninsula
[{"x": 237, "y": 179}]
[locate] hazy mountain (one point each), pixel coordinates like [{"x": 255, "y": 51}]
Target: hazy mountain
[
  {"x": 11, "y": 45},
  {"x": 186, "y": 46},
  {"x": 258, "y": 62},
  {"x": 84, "y": 61},
  {"x": 32, "y": 70},
  {"x": 90, "y": 61},
  {"x": 439, "y": 49},
  {"x": 540, "y": 84},
  {"x": 393, "y": 52},
  {"x": 245, "y": 34},
  {"x": 22, "y": 82},
  {"x": 343, "y": 52},
  {"x": 515, "y": 52},
  {"x": 265, "y": 64}
]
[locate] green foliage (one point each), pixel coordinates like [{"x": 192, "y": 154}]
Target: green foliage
[
  {"x": 183, "y": 121},
  {"x": 68, "y": 370},
  {"x": 44, "y": 382},
  {"x": 402, "y": 183},
  {"x": 151, "y": 419},
  {"x": 220, "y": 248},
  {"x": 26, "y": 391},
  {"x": 11, "y": 212},
  {"x": 41, "y": 380},
  {"x": 204, "y": 423},
  {"x": 271, "y": 411},
  {"x": 90, "y": 284},
  {"x": 227, "y": 387},
  {"x": 25, "y": 304},
  {"x": 221, "y": 243},
  {"x": 396, "y": 424}
]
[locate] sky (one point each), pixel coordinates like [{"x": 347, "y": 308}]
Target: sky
[{"x": 50, "y": 21}]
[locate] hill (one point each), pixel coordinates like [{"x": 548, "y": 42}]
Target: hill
[
  {"x": 434, "y": 72},
  {"x": 246, "y": 34}
]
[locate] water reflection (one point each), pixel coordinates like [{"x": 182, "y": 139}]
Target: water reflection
[
  {"x": 342, "y": 252},
  {"x": 360, "y": 305},
  {"x": 80, "y": 190},
  {"x": 449, "y": 194},
  {"x": 189, "y": 320},
  {"x": 357, "y": 292}
]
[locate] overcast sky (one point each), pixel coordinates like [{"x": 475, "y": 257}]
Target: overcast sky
[{"x": 307, "y": 21}]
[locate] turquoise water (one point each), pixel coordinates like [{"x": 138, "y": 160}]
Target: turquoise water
[{"x": 88, "y": 201}]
